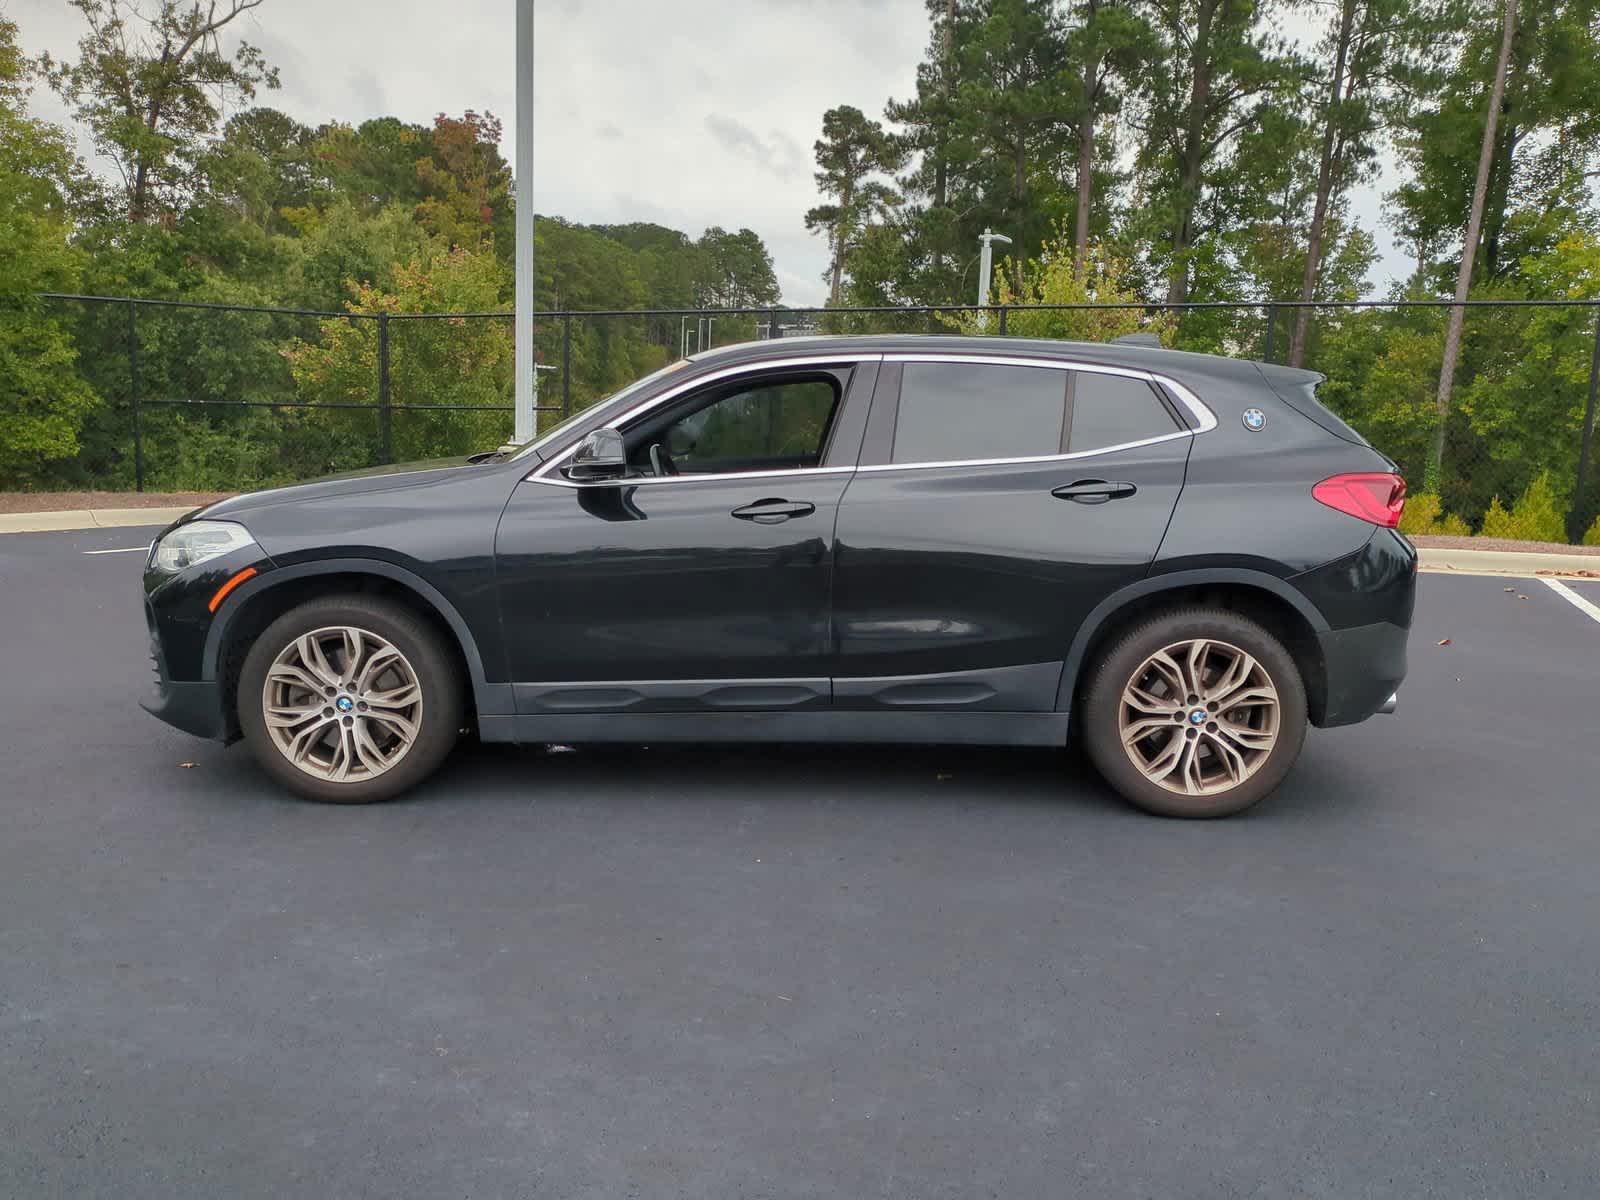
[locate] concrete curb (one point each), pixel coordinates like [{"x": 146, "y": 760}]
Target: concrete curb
[
  {"x": 1508, "y": 562},
  {"x": 88, "y": 518}
]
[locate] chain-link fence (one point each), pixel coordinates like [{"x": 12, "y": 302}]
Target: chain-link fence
[{"x": 224, "y": 397}]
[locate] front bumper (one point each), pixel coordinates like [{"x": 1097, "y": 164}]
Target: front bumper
[{"x": 192, "y": 707}]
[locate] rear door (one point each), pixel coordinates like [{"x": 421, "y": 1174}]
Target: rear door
[{"x": 997, "y": 502}]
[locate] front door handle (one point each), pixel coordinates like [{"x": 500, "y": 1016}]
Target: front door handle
[
  {"x": 771, "y": 512},
  {"x": 1093, "y": 491}
]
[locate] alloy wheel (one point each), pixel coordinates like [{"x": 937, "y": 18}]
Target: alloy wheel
[
  {"x": 1199, "y": 717},
  {"x": 342, "y": 704}
]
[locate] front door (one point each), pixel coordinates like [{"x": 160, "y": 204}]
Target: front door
[
  {"x": 995, "y": 505},
  {"x": 700, "y": 580}
]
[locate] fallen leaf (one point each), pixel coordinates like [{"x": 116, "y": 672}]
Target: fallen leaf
[
  {"x": 189, "y": 766},
  {"x": 1445, "y": 641},
  {"x": 1511, "y": 589},
  {"x": 1521, "y": 597}
]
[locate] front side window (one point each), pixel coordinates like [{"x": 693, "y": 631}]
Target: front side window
[
  {"x": 767, "y": 425},
  {"x": 952, "y": 412}
]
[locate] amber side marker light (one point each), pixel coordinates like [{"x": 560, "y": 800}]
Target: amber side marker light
[{"x": 222, "y": 592}]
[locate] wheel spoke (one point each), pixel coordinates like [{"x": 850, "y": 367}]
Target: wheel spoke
[
  {"x": 399, "y": 724},
  {"x": 315, "y": 661},
  {"x": 1232, "y": 761},
  {"x": 293, "y": 676},
  {"x": 1164, "y": 665},
  {"x": 302, "y": 742},
  {"x": 1137, "y": 698},
  {"x": 375, "y": 665},
  {"x": 367, "y": 749},
  {"x": 351, "y": 644},
  {"x": 1233, "y": 677},
  {"x": 1245, "y": 737},
  {"x": 287, "y": 716},
  {"x": 1137, "y": 731},
  {"x": 1194, "y": 664}
]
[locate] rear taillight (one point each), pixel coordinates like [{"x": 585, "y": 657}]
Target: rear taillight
[{"x": 1372, "y": 497}]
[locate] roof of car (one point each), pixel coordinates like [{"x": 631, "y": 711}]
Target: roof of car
[{"x": 1180, "y": 364}]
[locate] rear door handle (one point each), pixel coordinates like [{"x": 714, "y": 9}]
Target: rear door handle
[
  {"x": 1093, "y": 491},
  {"x": 771, "y": 512}
]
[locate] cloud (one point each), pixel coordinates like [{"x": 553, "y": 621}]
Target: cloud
[{"x": 778, "y": 153}]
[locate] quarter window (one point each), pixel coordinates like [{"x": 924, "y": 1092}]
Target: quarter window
[
  {"x": 951, "y": 412},
  {"x": 1112, "y": 410}
]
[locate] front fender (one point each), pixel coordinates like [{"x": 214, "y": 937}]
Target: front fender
[{"x": 489, "y": 697}]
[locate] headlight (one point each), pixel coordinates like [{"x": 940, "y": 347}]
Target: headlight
[{"x": 197, "y": 542}]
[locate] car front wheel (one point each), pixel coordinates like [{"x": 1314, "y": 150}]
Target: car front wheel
[
  {"x": 349, "y": 699},
  {"x": 1195, "y": 713}
]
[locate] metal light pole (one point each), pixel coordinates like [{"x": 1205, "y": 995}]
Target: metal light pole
[
  {"x": 985, "y": 268},
  {"x": 526, "y": 383}
]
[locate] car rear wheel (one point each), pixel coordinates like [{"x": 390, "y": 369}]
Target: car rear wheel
[
  {"x": 350, "y": 699},
  {"x": 1195, "y": 713}
]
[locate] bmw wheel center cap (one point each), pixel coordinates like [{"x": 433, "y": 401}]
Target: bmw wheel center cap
[{"x": 344, "y": 704}]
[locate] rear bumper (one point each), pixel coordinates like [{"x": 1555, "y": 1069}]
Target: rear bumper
[{"x": 1364, "y": 668}]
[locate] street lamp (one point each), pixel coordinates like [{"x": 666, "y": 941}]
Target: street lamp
[
  {"x": 985, "y": 267},
  {"x": 526, "y": 375},
  {"x": 988, "y": 237}
]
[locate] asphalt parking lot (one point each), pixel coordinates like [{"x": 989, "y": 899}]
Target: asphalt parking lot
[{"x": 709, "y": 973}]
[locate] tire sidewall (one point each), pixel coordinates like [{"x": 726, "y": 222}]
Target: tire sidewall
[
  {"x": 1103, "y": 698},
  {"x": 436, "y": 675}
]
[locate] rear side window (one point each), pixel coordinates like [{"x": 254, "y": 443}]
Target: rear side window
[
  {"x": 952, "y": 412},
  {"x": 1112, "y": 410}
]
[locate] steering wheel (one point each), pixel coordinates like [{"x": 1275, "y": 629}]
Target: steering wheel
[{"x": 660, "y": 461}]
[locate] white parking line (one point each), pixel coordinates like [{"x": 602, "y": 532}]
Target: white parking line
[
  {"x": 1577, "y": 601},
  {"x": 121, "y": 550}
]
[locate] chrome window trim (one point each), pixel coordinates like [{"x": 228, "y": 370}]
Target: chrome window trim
[
  {"x": 1197, "y": 408},
  {"x": 540, "y": 474},
  {"x": 653, "y": 480}
]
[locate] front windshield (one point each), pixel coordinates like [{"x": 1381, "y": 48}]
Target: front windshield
[{"x": 615, "y": 399}]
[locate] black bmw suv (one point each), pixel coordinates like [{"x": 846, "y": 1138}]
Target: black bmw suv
[{"x": 1180, "y": 559}]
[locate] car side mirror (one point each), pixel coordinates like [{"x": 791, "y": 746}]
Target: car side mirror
[{"x": 601, "y": 455}]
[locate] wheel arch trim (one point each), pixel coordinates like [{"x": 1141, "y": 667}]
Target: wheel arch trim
[
  {"x": 488, "y": 697},
  {"x": 1172, "y": 581}
]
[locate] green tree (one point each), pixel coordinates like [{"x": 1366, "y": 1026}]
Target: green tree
[
  {"x": 1546, "y": 132},
  {"x": 468, "y": 184},
  {"x": 43, "y": 399},
  {"x": 1366, "y": 46},
  {"x": 737, "y": 270},
  {"x": 851, "y": 150},
  {"x": 1107, "y": 45},
  {"x": 151, "y": 88},
  {"x": 1219, "y": 74},
  {"x": 459, "y": 361}
]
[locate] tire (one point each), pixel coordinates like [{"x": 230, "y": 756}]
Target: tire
[
  {"x": 404, "y": 699},
  {"x": 1239, "y": 753}
]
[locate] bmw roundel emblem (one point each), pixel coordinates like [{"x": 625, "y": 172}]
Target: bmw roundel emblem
[
  {"x": 1255, "y": 420},
  {"x": 344, "y": 704}
]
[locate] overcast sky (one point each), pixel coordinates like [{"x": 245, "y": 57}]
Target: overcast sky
[{"x": 689, "y": 114}]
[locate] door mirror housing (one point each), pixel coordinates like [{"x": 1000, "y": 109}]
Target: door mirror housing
[{"x": 601, "y": 455}]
